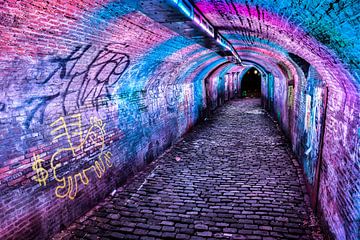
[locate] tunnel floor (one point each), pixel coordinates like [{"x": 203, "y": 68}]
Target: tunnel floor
[{"x": 231, "y": 177}]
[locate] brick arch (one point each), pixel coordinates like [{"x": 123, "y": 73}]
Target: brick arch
[{"x": 315, "y": 32}]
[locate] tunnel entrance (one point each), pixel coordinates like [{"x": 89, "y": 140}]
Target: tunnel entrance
[{"x": 251, "y": 84}]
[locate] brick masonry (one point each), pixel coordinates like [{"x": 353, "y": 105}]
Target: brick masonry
[
  {"x": 97, "y": 89},
  {"x": 324, "y": 34},
  {"x": 87, "y": 93},
  {"x": 232, "y": 177}
]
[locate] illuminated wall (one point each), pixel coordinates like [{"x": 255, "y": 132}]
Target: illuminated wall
[
  {"x": 308, "y": 102},
  {"x": 92, "y": 91}
]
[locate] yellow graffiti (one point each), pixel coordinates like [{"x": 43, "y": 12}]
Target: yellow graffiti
[
  {"x": 94, "y": 138},
  {"x": 79, "y": 146},
  {"x": 41, "y": 173},
  {"x": 64, "y": 127}
]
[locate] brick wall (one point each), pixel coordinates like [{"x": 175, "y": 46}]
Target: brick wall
[
  {"x": 93, "y": 90},
  {"x": 90, "y": 92},
  {"x": 324, "y": 34}
]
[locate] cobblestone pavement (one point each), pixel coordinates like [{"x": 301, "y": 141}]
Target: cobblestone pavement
[{"x": 232, "y": 177}]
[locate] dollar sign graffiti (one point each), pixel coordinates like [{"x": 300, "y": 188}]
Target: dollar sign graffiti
[{"x": 42, "y": 174}]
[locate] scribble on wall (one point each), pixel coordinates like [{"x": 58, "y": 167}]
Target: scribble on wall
[
  {"x": 314, "y": 134},
  {"x": 314, "y": 95},
  {"x": 2, "y": 106},
  {"x": 172, "y": 94},
  {"x": 157, "y": 93},
  {"x": 41, "y": 173},
  {"x": 307, "y": 112},
  {"x": 271, "y": 92},
  {"x": 79, "y": 144},
  {"x": 87, "y": 77}
]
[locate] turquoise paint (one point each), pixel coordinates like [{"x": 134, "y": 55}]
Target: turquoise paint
[
  {"x": 199, "y": 85},
  {"x": 310, "y": 140},
  {"x": 271, "y": 92},
  {"x": 131, "y": 93}
]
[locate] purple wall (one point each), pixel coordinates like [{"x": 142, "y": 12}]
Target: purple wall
[{"x": 93, "y": 91}]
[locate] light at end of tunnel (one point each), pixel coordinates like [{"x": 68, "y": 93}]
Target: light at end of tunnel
[{"x": 256, "y": 71}]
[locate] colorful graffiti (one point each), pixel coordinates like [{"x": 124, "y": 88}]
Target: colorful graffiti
[
  {"x": 155, "y": 80},
  {"x": 93, "y": 140},
  {"x": 270, "y": 93},
  {"x": 313, "y": 123},
  {"x": 146, "y": 85},
  {"x": 307, "y": 112}
]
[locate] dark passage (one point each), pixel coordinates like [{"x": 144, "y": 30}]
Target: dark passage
[
  {"x": 232, "y": 177},
  {"x": 251, "y": 83}
]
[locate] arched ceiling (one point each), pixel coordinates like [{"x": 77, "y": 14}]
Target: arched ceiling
[
  {"x": 263, "y": 32},
  {"x": 324, "y": 33}
]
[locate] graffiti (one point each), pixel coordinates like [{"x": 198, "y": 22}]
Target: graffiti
[
  {"x": 41, "y": 173},
  {"x": 157, "y": 93},
  {"x": 271, "y": 92},
  {"x": 307, "y": 112},
  {"x": 153, "y": 102},
  {"x": 314, "y": 104},
  {"x": 39, "y": 105},
  {"x": 172, "y": 94},
  {"x": 78, "y": 143},
  {"x": 87, "y": 78},
  {"x": 316, "y": 126},
  {"x": 170, "y": 91},
  {"x": 2, "y": 107}
]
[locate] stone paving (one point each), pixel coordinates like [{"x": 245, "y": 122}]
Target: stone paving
[{"x": 231, "y": 177}]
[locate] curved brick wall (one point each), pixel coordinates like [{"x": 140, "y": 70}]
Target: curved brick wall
[
  {"x": 324, "y": 34},
  {"x": 84, "y": 107},
  {"x": 94, "y": 90}
]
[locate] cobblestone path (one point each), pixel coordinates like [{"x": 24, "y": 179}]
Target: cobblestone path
[{"x": 231, "y": 177}]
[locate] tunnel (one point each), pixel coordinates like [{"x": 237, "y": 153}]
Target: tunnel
[
  {"x": 179, "y": 119},
  {"x": 251, "y": 83}
]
